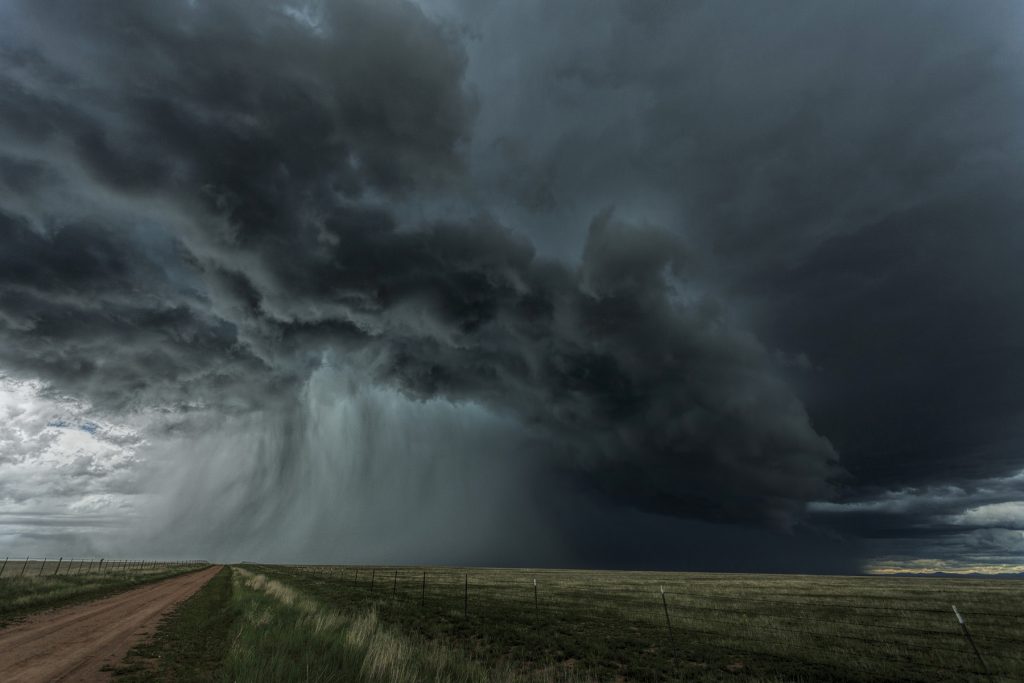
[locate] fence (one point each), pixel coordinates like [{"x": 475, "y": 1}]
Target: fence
[
  {"x": 879, "y": 629},
  {"x": 12, "y": 567}
]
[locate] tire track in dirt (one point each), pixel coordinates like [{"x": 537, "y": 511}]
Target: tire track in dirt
[{"x": 76, "y": 643}]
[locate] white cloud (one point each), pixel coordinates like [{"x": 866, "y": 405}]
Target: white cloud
[
  {"x": 1008, "y": 514},
  {"x": 893, "y": 502},
  {"x": 63, "y": 471}
]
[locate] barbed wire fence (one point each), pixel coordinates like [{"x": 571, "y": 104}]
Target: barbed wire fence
[
  {"x": 914, "y": 635},
  {"x": 40, "y": 567}
]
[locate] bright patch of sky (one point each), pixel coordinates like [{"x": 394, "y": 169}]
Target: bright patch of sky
[{"x": 63, "y": 471}]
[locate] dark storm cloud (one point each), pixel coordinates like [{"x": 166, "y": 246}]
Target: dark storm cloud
[
  {"x": 215, "y": 192},
  {"x": 849, "y": 174},
  {"x": 85, "y": 309},
  {"x": 815, "y": 205}
]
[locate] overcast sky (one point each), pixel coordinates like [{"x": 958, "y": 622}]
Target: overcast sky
[{"x": 656, "y": 284}]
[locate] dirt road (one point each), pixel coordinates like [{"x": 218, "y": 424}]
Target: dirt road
[{"x": 75, "y": 643}]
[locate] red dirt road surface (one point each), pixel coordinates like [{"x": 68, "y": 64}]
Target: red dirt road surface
[{"x": 75, "y": 643}]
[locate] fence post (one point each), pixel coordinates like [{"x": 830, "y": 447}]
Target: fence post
[
  {"x": 373, "y": 575},
  {"x": 4, "y": 567},
  {"x": 967, "y": 634},
  {"x": 99, "y": 567},
  {"x": 664, "y": 603},
  {"x": 394, "y": 589},
  {"x": 423, "y": 590},
  {"x": 465, "y": 598},
  {"x": 41, "y": 568},
  {"x": 23, "y": 567},
  {"x": 355, "y": 578},
  {"x": 536, "y": 600}
]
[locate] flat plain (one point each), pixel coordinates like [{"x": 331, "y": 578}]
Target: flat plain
[
  {"x": 620, "y": 626},
  {"x": 407, "y": 624}
]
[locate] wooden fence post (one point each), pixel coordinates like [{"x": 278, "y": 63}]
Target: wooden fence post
[
  {"x": 373, "y": 575},
  {"x": 465, "y": 598},
  {"x": 4, "y": 567},
  {"x": 423, "y": 590},
  {"x": 536, "y": 600},
  {"x": 394, "y": 589},
  {"x": 664, "y": 603},
  {"x": 967, "y": 634},
  {"x": 23, "y": 567},
  {"x": 41, "y": 567}
]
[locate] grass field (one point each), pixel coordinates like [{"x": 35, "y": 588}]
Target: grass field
[
  {"x": 245, "y": 627},
  {"x": 41, "y": 587},
  {"x": 612, "y": 625},
  {"x": 376, "y": 624}
]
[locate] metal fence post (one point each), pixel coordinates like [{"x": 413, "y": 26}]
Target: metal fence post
[
  {"x": 664, "y": 603},
  {"x": 967, "y": 634},
  {"x": 4, "y": 567}
]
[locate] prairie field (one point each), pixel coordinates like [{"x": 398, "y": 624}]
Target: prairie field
[
  {"x": 408, "y": 624},
  {"x": 452, "y": 624}
]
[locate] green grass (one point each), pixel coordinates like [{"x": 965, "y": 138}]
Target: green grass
[
  {"x": 243, "y": 627},
  {"x": 260, "y": 623},
  {"x": 612, "y": 626},
  {"x": 21, "y": 595},
  {"x": 285, "y": 635},
  {"x": 191, "y": 642}
]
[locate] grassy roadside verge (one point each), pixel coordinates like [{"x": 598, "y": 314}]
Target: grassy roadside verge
[
  {"x": 191, "y": 642},
  {"x": 21, "y": 596},
  {"x": 283, "y": 634}
]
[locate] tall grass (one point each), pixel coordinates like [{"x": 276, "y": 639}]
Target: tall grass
[{"x": 284, "y": 635}]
